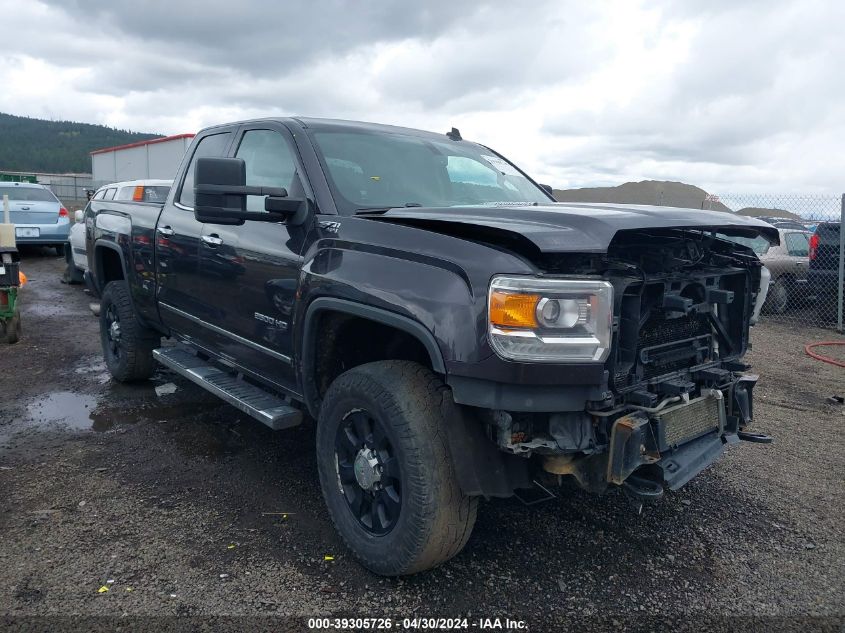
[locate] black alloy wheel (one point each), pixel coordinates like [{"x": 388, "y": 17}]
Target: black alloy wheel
[
  {"x": 112, "y": 333},
  {"x": 368, "y": 472}
]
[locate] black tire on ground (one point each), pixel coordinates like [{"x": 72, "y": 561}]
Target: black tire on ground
[
  {"x": 12, "y": 328},
  {"x": 402, "y": 402},
  {"x": 60, "y": 250},
  {"x": 72, "y": 274},
  {"x": 778, "y": 298},
  {"x": 127, "y": 344}
]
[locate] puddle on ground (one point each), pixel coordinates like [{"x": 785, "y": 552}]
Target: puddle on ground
[
  {"x": 79, "y": 411},
  {"x": 195, "y": 424},
  {"x": 73, "y": 410}
]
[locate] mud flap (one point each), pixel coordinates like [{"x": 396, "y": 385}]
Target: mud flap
[{"x": 480, "y": 467}]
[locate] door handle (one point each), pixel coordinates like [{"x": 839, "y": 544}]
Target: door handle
[
  {"x": 165, "y": 230},
  {"x": 212, "y": 240}
]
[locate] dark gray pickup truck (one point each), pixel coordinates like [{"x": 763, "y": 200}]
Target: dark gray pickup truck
[{"x": 454, "y": 332}]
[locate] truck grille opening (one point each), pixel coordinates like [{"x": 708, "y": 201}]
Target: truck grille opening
[{"x": 667, "y": 345}]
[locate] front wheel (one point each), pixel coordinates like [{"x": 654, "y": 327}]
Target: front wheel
[
  {"x": 386, "y": 471},
  {"x": 127, "y": 344}
]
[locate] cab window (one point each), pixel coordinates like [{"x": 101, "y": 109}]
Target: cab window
[{"x": 269, "y": 163}]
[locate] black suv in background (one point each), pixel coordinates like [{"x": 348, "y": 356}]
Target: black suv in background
[
  {"x": 823, "y": 274},
  {"x": 454, "y": 331}
]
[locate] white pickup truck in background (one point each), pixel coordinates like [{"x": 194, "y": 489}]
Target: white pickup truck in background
[{"x": 129, "y": 190}]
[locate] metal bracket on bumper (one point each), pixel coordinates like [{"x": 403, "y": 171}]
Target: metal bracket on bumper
[
  {"x": 667, "y": 440},
  {"x": 632, "y": 444}
]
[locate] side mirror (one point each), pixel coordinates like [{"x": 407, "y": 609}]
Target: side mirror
[
  {"x": 78, "y": 216},
  {"x": 547, "y": 189},
  {"x": 220, "y": 192}
]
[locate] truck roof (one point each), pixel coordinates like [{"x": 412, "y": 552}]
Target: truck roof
[{"x": 337, "y": 124}]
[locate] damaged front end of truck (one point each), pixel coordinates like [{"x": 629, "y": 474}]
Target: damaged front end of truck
[{"x": 675, "y": 390}]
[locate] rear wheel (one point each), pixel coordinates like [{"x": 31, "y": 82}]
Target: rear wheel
[
  {"x": 60, "y": 250},
  {"x": 386, "y": 471},
  {"x": 127, "y": 344},
  {"x": 73, "y": 274}
]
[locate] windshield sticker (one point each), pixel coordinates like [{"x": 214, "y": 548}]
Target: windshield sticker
[{"x": 501, "y": 165}]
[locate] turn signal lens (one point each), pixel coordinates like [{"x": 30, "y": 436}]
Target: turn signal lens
[
  {"x": 513, "y": 310},
  {"x": 138, "y": 194}
]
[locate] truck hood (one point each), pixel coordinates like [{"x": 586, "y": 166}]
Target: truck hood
[{"x": 574, "y": 227}]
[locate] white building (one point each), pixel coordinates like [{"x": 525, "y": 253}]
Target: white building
[{"x": 156, "y": 158}]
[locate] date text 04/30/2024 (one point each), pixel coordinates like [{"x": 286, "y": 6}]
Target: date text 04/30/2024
[{"x": 416, "y": 623}]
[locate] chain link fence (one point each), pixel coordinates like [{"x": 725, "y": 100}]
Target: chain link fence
[{"x": 807, "y": 267}]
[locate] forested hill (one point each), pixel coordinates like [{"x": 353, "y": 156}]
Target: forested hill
[{"x": 37, "y": 145}]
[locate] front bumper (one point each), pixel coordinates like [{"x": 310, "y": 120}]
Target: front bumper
[
  {"x": 663, "y": 445},
  {"x": 47, "y": 234}
]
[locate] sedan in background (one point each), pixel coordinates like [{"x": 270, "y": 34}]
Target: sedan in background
[{"x": 38, "y": 215}]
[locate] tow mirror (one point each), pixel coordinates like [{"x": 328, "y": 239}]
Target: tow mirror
[{"x": 220, "y": 192}]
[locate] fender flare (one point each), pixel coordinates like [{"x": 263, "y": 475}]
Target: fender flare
[
  {"x": 98, "y": 263},
  {"x": 98, "y": 276},
  {"x": 379, "y": 315}
]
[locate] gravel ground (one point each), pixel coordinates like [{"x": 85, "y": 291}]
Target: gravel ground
[{"x": 181, "y": 506}]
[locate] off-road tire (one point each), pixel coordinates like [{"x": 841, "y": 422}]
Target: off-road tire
[
  {"x": 436, "y": 518},
  {"x": 134, "y": 360}
]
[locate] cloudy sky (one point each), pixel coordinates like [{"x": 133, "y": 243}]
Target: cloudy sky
[{"x": 730, "y": 95}]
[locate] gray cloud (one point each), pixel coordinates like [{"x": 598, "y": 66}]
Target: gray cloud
[{"x": 728, "y": 93}]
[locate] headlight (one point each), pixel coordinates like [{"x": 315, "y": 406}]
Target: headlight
[{"x": 550, "y": 320}]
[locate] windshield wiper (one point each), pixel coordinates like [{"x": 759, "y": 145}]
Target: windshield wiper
[{"x": 375, "y": 210}]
